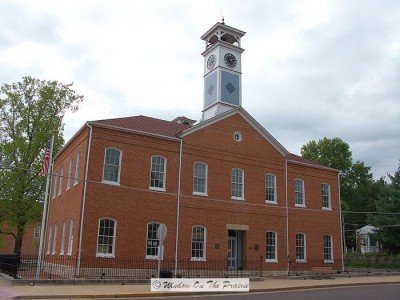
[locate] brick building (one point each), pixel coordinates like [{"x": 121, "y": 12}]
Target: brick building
[{"x": 225, "y": 188}]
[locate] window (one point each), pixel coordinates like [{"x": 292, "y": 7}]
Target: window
[
  {"x": 300, "y": 247},
  {"x": 106, "y": 238},
  {"x": 77, "y": 167},
  {"x": 200, "y": 178},
  {"x": 49, "y": 240},
  {"x": 55, "y": 239},
  {"x": 64, "y": 229},
  {"x": 270, "y": 188},
  {"x": 328, "y": 250},
  {"x": 112, "y": 163},
  {"x": 270, "y": 246},
  {"x": 55, "y": 185},
  {"x": 157, "y": 176},
  {"x": 69, "y": 174},
  {"x": 326, "y": 196},
  {"x": 71, "y": 237},
  {"x": 61, "y": 180},
  {"x": 198, "y": 243},
  {"x": 36, "y": 232},
  {"x": 237, "y": 184},
  {"x": 299, "y": 192},
  {"x": 152, "y": 241}
]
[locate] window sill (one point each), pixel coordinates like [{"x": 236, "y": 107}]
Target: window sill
[
  {"x": 105, "y": 255},
  {"x": 110, "y": 182},
  {"x": 271, "y": 202},
  {"x": 327, "y": 208},
  {"x": 237, "y": 198},
  {"x": 151, "y": 257},
  {"x": 301, "y": 261},
  {"x": 67, "y": 188},
  {"x": 300, "y": 205},
  {"x": 200, "y": 194},
  {"x": 198, "y": 259},
  {"x": 271, "y": 261},
  {"x": 329, "y": 262},
  {"x": 75, "y": 183},
  {"x": 152, "y": 188}
]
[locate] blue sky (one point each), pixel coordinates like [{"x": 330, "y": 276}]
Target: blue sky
[{"x": 310, "y": 68}]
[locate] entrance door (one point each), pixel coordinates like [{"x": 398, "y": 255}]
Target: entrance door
[{"x": 232, "y": 252}]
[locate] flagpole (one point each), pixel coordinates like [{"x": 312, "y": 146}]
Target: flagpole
[{"x": 45, "y": 204}]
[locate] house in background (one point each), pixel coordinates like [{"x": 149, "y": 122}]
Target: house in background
[
  {"x": 367, "y": 241},
  {"x": 30, "y": 242},
  {"x": 226, "y": 189}
]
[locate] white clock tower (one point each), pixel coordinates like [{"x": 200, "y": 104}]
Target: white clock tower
[{"x": 222, "y": 70}]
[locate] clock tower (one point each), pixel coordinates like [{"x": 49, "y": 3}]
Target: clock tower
[{"x": 222, "y": 70}]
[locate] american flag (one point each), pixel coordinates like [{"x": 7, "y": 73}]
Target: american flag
[{"x": 45, "y": 166}]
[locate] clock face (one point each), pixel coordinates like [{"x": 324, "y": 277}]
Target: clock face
[
  {"x": 230, "y": 60},
  {"x": 211, "y": 62}
]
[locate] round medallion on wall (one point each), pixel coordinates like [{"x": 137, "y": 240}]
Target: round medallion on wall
[
  {"x": 230, "y": 60},
  {"x": 237, "y": 136},
  {"x": 211, "y": 62}
]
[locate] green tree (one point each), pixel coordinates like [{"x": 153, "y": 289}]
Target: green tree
[
  {"x": 334, "y": 153},
  {"x": 30, "y": 110},
  {"x": 388, "y": 217}
]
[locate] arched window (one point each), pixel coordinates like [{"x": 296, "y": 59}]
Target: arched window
[
  {"x": 198, "y": 243},
  {"x": 152, "y": 241},
  {"x": 157, "y": 174},
  {"x": 237, "y": 184},
  {"x": 270, "y": 246},
  {"x": 328, "y": 249},
  {"x": 299, "y": 192},
  {"x": 71, "y": 237},
  {"x": 106, "y": 238},
  {"x": 301, "y": 247},
  {"x": 326, "y": 196},
  {"x": 270, "y": 188},
  {"x": 112, "y": 165},
  {"x": 200, "y": 178}
]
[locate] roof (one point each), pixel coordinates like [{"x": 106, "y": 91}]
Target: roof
[
  {"x": 173, "y": 129},
  {"x": 298, "y": 159},
  {"x": 146, "y": 125}
]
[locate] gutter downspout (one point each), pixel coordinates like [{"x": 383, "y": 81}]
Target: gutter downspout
[
  {"x": 178, "y": 207},
  {"x": 341, "y": 225},
  {"x": 287, "y": 217},
  {"x": 78, "y": 266}
]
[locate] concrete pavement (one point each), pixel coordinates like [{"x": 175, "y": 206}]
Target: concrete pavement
[{"x": 143, "y": 290}]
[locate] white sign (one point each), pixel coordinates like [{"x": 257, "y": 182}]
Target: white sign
[
  {"x": 200, "y": 285},
  {"x": 162, "y": 232}
]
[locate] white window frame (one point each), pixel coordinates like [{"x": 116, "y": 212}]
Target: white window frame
[
  {"x": 119, "y": 166},
  {"x": 64, "y": 229},
  {"x": 102, "y": 254},
  {"x": 239, "y": 183},
  {"x": 267, "y": 176},
  {"x": 152, "y": 240},
  {"x": 324, "y": 195},
  {"x": 204, "y": 243},
  {"x": 71, "y": 237},
  {"x": 296, "y": 192},
  {"x": 205, "y": 193},
  {"x": 49, "y": 240},
  {"x": 163, "y": 173},
  {"x": 275, "y": 246},
  {"x": 69, "y": 174},
  {"x": 329, "y": 248},
  {"x": 55, "y": 185},
  {"x": 61, "y": 180},
  {"x": 53, "y": 252},
  {"x": 77, "y": 167},
  {"x": 304, "y": 247}
]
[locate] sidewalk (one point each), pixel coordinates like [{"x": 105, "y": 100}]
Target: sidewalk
[{"x": 143, "y": 290}]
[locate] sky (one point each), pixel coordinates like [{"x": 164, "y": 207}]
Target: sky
[{"x": 311, "y": 69}]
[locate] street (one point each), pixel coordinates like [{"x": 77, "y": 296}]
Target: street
[{"x": 372, "y": 292}]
